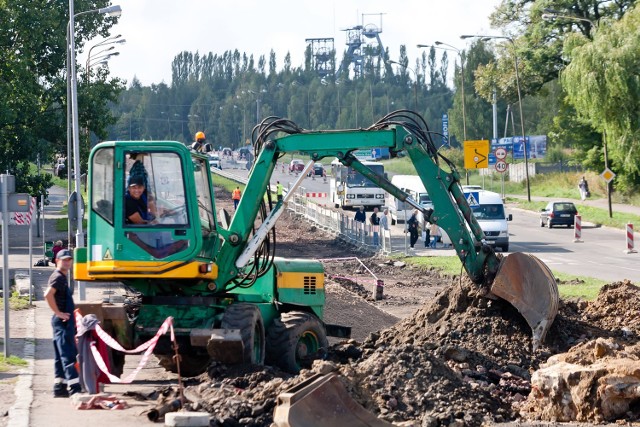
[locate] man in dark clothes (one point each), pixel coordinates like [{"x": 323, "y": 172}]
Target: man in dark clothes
[
  {"x": 136, "y": 202},
  {"x": 58, "y": 296}
]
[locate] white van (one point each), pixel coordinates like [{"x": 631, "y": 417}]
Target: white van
[
  {"x": 412, "y": 184},
  {"x": 488, "y": 209}
]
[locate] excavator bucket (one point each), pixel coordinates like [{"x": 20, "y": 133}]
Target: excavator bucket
[
  {"x": 528, "y": 284},
  {"x": 322, "y": 401}
]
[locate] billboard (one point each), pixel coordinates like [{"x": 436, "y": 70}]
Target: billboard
[{"x": 536, "y": 148}]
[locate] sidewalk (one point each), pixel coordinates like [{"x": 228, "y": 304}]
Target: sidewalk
[{"x": 26, "y": 397}]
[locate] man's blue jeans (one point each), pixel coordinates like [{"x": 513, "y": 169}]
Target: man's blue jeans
[{"x": 64, "y": 347}]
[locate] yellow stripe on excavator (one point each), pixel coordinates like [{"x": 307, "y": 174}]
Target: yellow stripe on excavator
[
  {"x": 94, "y": 270},
  {"x": 300, "y": 280}
]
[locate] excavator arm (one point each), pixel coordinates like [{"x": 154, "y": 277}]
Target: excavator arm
[{"x": 522, "y": 280}]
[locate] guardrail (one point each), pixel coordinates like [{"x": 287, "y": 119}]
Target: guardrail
[{"x": 364, "y": 236}]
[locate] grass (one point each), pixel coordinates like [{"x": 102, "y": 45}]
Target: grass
[
  {"x": 11, "y": 362},
  {"x": 16, "y": 302},
  {"x": 592, "y": 214},
  {"x": 227, "y": 184},
  {"x": 569, "y": 286}
]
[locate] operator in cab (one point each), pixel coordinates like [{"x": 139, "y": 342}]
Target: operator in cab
[{"x": 137, "y": 207}]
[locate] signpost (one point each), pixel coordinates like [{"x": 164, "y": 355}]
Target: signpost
[
  {"x": 476, "y": 154},
  {"x": 10, "y": 201},
  {"x": 501, "y": 164}
]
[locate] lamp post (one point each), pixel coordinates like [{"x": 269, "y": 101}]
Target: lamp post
[
  {"x": 415, "y": 83},
  {"x": 109, "y": 41},
  {"x": 524, "y": 138},
  {"x": 73, "y": 100}
]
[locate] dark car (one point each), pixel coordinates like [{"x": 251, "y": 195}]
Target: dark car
[
  {"x": 318, "y": 170},
  {"x": 558, "y": 213}
]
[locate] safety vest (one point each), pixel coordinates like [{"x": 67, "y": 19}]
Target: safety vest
[
  {"x": 279, "y": 189},
  {"x": 236, "y": 194}
]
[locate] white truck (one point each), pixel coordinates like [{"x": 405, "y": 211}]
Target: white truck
[{"x": 412, "y": 184}]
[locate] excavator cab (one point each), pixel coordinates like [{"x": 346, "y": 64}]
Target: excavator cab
[{"x": 151, "y": 209}]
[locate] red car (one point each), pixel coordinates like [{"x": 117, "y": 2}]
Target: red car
[{"x": 296, "y": 165}]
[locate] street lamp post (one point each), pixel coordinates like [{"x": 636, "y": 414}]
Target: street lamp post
[
  {"x": 112, "y": 11},
  {"x": 415, "y": 83},
  {"x": 524, "y": 138}
]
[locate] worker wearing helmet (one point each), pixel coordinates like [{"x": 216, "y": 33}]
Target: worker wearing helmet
[{"x": 198, "y": 145}]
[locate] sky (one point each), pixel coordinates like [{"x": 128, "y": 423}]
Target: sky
[{"x": 157, "y": 30}]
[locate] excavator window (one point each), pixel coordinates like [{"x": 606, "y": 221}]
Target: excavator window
[{"x": 155, "y": 206}]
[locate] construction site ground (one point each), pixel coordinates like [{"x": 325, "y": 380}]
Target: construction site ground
[{"x": 431, "y": 352}]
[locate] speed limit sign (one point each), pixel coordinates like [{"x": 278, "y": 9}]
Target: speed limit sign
[{"x": 501, "y": 166}]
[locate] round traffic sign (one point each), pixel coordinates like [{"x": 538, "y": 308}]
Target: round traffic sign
[
  {"x": 500, "y": 153},
  {"x": 501, "y": 166}
]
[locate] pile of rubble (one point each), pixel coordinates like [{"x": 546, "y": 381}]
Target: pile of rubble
[{"x": 462, "y": 359}]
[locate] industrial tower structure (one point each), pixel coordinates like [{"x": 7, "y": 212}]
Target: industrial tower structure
[
  {"x": 323, "y": 55},
  {"x": 362, "y": 41}
]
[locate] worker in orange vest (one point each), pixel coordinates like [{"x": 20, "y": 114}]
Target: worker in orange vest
[{"x": 236, "y": 197}]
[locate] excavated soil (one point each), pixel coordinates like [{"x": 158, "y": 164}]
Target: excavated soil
[{"x": 458, "y": 359}]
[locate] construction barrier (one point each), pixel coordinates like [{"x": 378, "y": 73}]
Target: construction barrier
[
  {"x": 147, "y": 347},
  {"x": 630, "y": 245},
  {"x": 577, "y": 227}
]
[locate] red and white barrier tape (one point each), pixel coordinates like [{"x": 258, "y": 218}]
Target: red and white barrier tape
[{"x": 167, "y": 325}]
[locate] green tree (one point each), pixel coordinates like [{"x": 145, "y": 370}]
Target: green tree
[
  {"x": 33, "y": 81},
  {"x": 602, "y": 83}
]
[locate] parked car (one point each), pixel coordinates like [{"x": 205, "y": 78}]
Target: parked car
[
  {"x": 215, "y": 162},
  {"x": 558, "y": 213},
  {"x": 318, "y": 170},
  {"x": 226, "y": 151},
  {"x": 296, "y": 165}
]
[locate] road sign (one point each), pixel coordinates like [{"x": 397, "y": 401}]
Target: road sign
[
  {"x": 473, "y": 198},
  {"x": 501, "y": 166},
  {"x": 608, "y": 175},
  {"x": 476, "y": 154},
  {"x": 500, "y": 153}
]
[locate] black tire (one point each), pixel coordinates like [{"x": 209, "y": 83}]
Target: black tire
[
  {"x": 248, "y": 319},
  {"x": 505, "y": 248},
  {"x": 190, "y": 365},
  {"x": 295, "y": 340},
  {"x": 541, "y": 223},
  {"x": 549, "y": 224}
]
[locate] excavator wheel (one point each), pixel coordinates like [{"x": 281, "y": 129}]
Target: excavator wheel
[
  {"x": 247, "y": 318},
  {"x": 295, "y": 340},
  {"x": 191, "y": 365}
]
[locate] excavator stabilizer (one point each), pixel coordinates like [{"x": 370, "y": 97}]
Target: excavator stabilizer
[
  {"x": 322, "y": 401},
  {"x": 528, "y": 284}
]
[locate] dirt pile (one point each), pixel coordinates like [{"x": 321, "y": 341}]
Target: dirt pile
[{"x": 598, "y": 379}]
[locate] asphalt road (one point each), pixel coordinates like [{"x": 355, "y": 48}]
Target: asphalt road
[{"x": 601, "y": 255}]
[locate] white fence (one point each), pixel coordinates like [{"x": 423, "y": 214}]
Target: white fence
[{"x": 365, "y": 236}]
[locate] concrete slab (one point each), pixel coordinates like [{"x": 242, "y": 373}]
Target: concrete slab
[{"x": 187, "y": 419}]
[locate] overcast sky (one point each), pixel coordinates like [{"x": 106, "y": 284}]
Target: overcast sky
[{"x": 157, "y": 30}]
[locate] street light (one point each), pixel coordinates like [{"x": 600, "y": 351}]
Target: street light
[
  {"x": 72, "y": 98},
  {"x": 464, "y": 114},
  {"x": 524, "y": 138},
  {"x": 109, "y": 41},
  {"x": 415, "y": 84}
]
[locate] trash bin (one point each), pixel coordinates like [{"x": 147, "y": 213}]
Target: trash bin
[{"x": 48, "y": 249}]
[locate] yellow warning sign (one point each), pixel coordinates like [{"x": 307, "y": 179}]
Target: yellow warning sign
[
  {"x": 476, "y": 154},
  {"x": 107, "y": 254}
]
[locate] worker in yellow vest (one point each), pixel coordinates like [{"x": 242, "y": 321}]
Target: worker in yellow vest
[{"x": 279, "y": 190}]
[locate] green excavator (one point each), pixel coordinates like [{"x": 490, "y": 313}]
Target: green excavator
[{"x": 217, "y": 275}]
